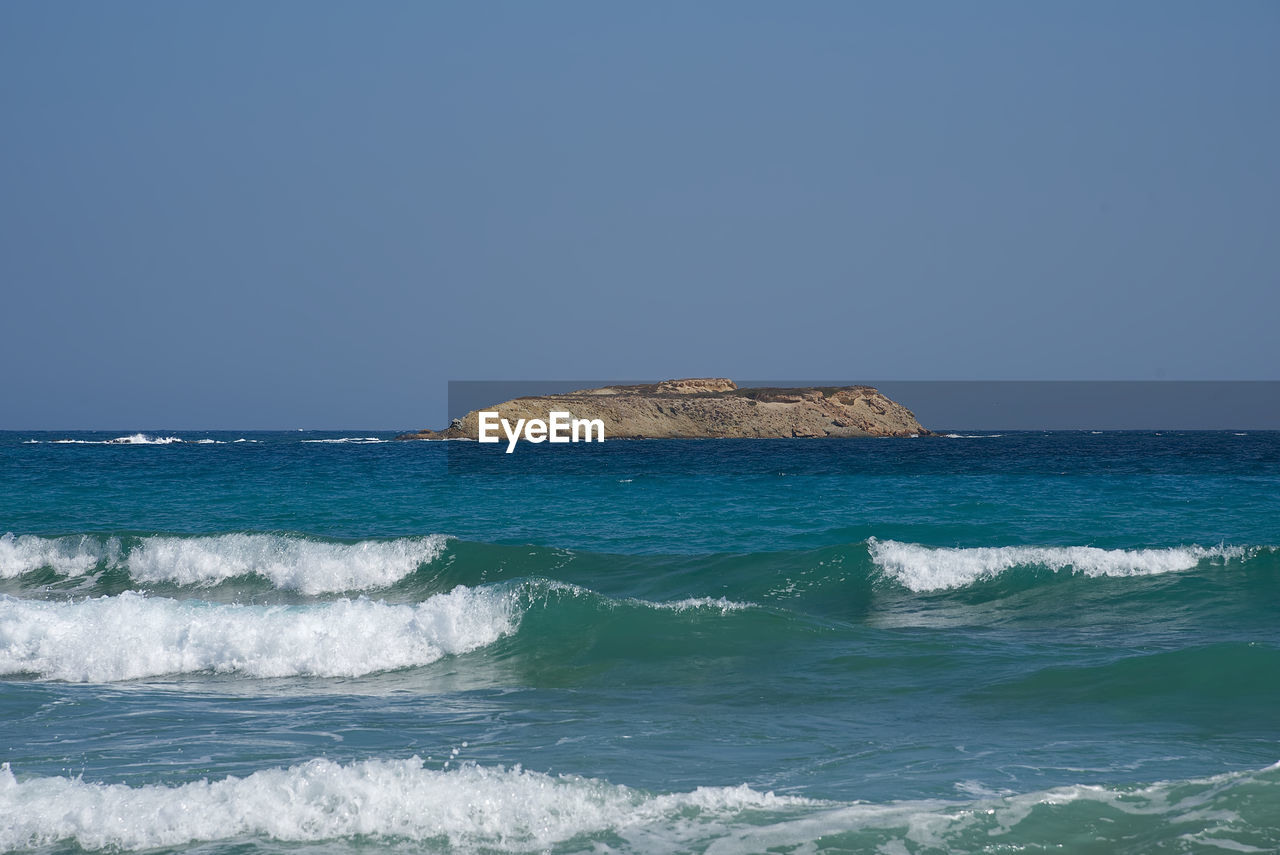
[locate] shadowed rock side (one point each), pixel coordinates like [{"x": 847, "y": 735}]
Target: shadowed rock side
[{"x": 704, "y": 408}]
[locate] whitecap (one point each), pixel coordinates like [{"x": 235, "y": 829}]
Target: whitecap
[
  {"x": 499, "y": 809},
  {"x": 130, "y": 439},
  {"x": 472, "y": 807},
  {"x": 131, "y": 636},
  {"x": 297, "y": 563},
  {"x": 287, "y": 561},
  {"x": 67, "y": 556},
  {"x": 143, "y": 439},
  {"x": 359, "y": 440},
  {"x": 934, "y": 568}
]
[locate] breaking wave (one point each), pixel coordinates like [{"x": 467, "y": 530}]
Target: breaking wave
[
  {"x": 137, "y": 439},
  {"x": 288, "y": 561},
  {"x": 131, "y": 439},
  {"x": 359, "y": 440},
  {"x": 132, "y": 636},
  {"x": 513, "y": 810},
  {"x": 934, "y": 568}
]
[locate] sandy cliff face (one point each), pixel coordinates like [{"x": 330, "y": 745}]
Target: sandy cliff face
[{"x": 709, "y": 407}]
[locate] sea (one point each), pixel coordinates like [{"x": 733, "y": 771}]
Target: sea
[{"x": 332, "y": 642}]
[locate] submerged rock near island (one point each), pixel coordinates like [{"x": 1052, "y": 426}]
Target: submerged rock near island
[{"x": 709, "y": 408}]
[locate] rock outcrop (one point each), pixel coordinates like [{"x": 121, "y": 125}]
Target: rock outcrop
[{"x": 709, "y": 407}]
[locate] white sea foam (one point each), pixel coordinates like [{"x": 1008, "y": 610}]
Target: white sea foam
[
  {"x": 932, "y": 568},
  {"x": 143, "y": 439},
  {"x": 471, "y": 807},
  {"x": 476, "y": 808},
  {"x": 359, "y": 440},
  {"x": 138, "y": 439},
  {"x": 131, "y": 439},
  {"x": 722, "y": 605},
  {"x": 1182, "y": 810},
  {"x": 132, "y": 636},
  {"x": 309, "y": 566},
  {"x": 297, "y": 563},
  {"x": 67, "y": 556},
  {"x": 717, "y": 604}
]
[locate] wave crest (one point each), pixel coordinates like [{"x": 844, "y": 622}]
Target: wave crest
[
  {"x": 505, "y": 809},
  {"x": 498, "y": 809},
  {"x": 934, "y": 568},
  {"x": 132, "y": 636},
  {"x": 131, "y": 439},
  {"x": 358, "y": 440},
  {"x": 292, "y": 562}
]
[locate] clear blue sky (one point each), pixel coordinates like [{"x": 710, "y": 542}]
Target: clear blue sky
[{"x": 285, "y": 214}]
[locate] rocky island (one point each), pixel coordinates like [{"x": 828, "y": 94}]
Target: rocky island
[{"x": 709, "y": 408}]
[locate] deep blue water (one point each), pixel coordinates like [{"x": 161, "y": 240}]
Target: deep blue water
[{"x": 985, "y": 642}]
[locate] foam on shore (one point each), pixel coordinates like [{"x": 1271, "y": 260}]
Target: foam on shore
[{"x": 472, "y": 808}]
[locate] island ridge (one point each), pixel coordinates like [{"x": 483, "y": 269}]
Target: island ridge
[{"x": 709, "y": 408}]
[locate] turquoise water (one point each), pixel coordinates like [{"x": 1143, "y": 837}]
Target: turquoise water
[{"x": 1015, "y": 642}]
